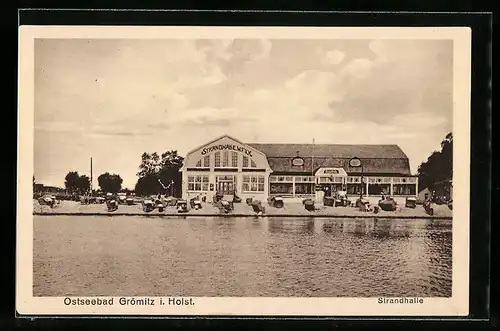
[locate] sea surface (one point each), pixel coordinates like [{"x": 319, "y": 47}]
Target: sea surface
[{"x": 251, "y": 257}]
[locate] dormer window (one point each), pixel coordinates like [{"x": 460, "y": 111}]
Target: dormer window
[{"x": 298, "y": 162}]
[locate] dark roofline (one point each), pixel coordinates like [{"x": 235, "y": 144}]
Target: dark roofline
[
  {"x": 305, "y": 144},
  {"x": 329, "y": 156},
  {"x": 317, "y": 153}
]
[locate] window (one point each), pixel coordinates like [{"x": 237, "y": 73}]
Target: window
[
  {"x": 217, "y": 160},
  {"x": 234, "y": 159},
  {"x": 198, "y": 164},
  {"x": 225, "y": 159},
  {"x": 197, "y": 183},
  {"x": 253, "y": 183},
  {"x": 206, "y": 161},
  {"x": 204, "y": 186},
  {"x": 281, "y": 188},
  {"x": 356, "y": 189},
  {"x": 252, "y": 163},
  {"x": 304, "y": 188},
  {"x": 323, "y": 180},
  {"x": 225, "y": 178},
  {"x": 190, "y": 183},
  {"x": 245, "y": 162},
  {"x": 404, "y": 189},
  {"x": 305, "y": 179},
  {"x": 378, "y": 189},
  {"x": 357, "y": 180}
]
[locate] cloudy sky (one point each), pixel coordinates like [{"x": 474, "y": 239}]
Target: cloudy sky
[{"x": 115, "y": 99}]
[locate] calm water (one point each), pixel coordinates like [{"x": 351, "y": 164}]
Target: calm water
[{"x": 240, "y": 257}]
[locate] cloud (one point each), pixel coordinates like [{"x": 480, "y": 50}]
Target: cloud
[
  {"x": 403, "y": 77},
  {"x": 241, "y": 53},
  {"x": 265, "y": 50},
  {"x": 358, "y": 68},
  {"x": 332, "y": 57},
  {"x": 208, "y": 116}
]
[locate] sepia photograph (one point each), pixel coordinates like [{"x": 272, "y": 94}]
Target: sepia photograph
[{"x": 243, "y": 171}]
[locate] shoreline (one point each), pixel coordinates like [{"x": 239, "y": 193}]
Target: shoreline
[
  {"x": 247, "y": 216},
  {"x": 185, "y": 215},
  {"x": 290, "y": 210}
]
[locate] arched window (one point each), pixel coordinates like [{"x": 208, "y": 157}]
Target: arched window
[
  {"x": 217, "y": 160},
  {"x": 206, "y": 161},
  {"x": 234, "y": 159}
]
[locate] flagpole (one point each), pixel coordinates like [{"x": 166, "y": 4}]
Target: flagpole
[
  {"x": 312, "y": 168},
  {"x": 91, "y": 179},
  {"x": 312, "y": 159}
]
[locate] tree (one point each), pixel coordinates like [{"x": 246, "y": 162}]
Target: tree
[
  {"x": 171, "y": 163},
  {"x": 147, "y": 185},
  {"x": 155, "y": 168},
  {"x": 71, "y": 181},
  {"x": 439, "y": 165},
  {"x": 147, "y": 166},
  {"x": 83, "y": 184},
  {"x": 110, "y": 183}
]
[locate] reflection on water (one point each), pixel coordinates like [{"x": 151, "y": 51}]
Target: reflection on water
[{"x": 241, "y": 256}]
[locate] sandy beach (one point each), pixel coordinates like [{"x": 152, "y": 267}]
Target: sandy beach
[{"x": 240, "y": 209}]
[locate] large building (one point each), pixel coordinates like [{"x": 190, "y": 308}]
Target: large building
[{"x": 293, "y": 171}]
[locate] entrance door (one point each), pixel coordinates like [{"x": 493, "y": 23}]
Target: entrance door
[
  {"x": 225, "y": 184},
  {"x": 225, "y": 187}
]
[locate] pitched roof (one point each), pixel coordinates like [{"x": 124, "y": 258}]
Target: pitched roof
[
  {"x": 377, "y": 159},
  {"x": 370, "y": 166},
  {"x": 331, "y": 150}
]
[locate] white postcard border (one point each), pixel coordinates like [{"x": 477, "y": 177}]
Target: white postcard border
[{"x": 457, "y": 305}]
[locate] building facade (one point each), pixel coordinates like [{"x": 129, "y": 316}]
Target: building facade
[{"x": 295, "y": 171}]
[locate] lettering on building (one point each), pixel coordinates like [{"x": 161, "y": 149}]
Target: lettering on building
[{"x": 230, "y": 147}]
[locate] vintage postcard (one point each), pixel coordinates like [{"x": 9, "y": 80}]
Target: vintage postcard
[{"x": 243, "y": 171}]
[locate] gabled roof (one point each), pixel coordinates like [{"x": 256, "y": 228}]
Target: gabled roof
[
  {"x": 219, "y": 138},
  {"x": 331, "y": 150}
]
